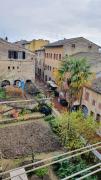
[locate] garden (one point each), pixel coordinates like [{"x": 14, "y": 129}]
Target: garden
[{"x": 75, "y": 131}]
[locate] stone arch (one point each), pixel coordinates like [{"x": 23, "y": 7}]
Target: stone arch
[
  {"x": 85, "y": 110},
  {"x": 28, "y": 81},
  {"x": 16, "y": 82},
  {"x": 5, "y": 83}
]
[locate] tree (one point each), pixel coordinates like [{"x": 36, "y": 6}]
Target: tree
[
  {"x": 68, "y": 128},
  {"x": 68, "y": 135},
  {"x": 77, "y": 73}
]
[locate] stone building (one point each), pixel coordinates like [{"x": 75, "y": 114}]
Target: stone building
[
  {"x": 16, "y": 63},
  {"x": 91, "y": 99},
  {"x": 76, "y": 47},
  {"x": 39, "y": 63},
  {"x": 36, "y": 44}
]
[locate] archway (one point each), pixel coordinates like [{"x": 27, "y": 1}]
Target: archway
[
  {"x": 85, "y": 110},
  {"x": 29, "y": 81},
  {"x": 5, "y": 83},
  {"x": 17, "y": 82}
]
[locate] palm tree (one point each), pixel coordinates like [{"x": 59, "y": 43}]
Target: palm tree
[{"x": 77, "y": 72}]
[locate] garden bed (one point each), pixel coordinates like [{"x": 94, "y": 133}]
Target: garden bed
[{"x": 19, "y": 140}]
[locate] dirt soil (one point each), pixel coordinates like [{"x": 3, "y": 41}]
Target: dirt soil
[{"x": 23, "y": 139}]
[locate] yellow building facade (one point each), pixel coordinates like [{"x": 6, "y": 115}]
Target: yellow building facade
[{"x": 36, "y": 44}]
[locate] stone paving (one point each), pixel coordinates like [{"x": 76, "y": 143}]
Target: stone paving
[{"x": 42, "y": 86}]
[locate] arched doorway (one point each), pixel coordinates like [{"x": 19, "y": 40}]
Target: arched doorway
[
  {"x": 85, "y": 110},
  {"x": 28, "y": 81},
  {"x": 5, "y": 83},
  {"x": 17, "y": 82}
]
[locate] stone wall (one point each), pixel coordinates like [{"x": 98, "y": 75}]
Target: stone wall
[{"x": 13, "y": 70}]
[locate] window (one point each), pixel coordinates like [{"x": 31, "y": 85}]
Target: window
[
  {"x": 87, "y": 96},
  {"x": 54, "y": 56},
  {"x": 16, "y": 54},
  {"x": 8, "y": 67},
  {"x": 73, "y": 45},
  {"x": 93, "y": 102},
  {"x": 49, "y": 78},
  {"x": 59, "y": 56},
  {"x": 50, "y": 68},
  {"x": 90, "y": 46},
  {"x": 45, "y": 77},
  {"x": 13, "y": 67},
  {"x": 17, "y": 67},
  {"x": 19, "y": 55},
  {"x": 23, "y": 55},
  {"x": 12, "y": 55}
]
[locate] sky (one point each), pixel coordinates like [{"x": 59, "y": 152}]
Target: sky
[{"x": 50, "y": 19}]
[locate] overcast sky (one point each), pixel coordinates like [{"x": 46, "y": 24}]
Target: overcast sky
[{"x": 50, "y": 19}]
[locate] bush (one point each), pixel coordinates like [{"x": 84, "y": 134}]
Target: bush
[
  {"x": 2, "y": 93},
  {"x": 68, "y": 127},
  {"x": 68, "y": 167},
  {"x": 24, "y": 111},
  {"x": 40, "y": 96},
  {"x": 41, "y": 172},
  {"x": 35, "y": 109},
  {"x": 13, "y": 91},
  {"x": 49, "y": 118}
]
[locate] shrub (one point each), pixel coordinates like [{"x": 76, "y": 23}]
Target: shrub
[
  {"x": 41, "y": 172},
  {"x": 13, "y": 91},
  {"x": 24, "y": 111},
  {"x": 40, "y": 96},
  {"x": 68, "y": 167},
  {"x": 68, "y": 128},
  {"x": 2, "y": 93},
  {"x": 35, "y": 109},
  {"x": 49, "y": 118}
]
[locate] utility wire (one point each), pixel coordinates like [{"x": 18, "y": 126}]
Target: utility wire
[
  {"x": 89, "y": 174},
  {"x": 51, "y": 163},
  {"x": 52, "y": 158},
  {"x": 82, "y": 171}
]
